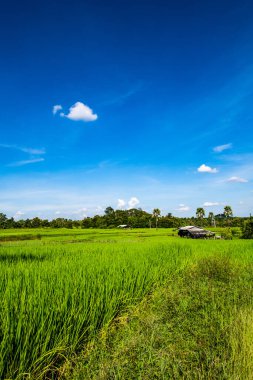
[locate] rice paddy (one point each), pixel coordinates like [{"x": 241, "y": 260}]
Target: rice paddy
[{"x": 60, "y": 288}]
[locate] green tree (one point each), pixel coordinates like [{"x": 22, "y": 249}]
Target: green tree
[
  {"x": 45, "y": 223},
  {"x": 247, "y": 230},
  {"x": 87, "y": 222},
  {"x": 156, "y": 214},
  {"x": 58, "y": 223},
  {"x": 36, "y": 222},
  {"x": 109, "y": 211},
  {"x": 228, "y": 211},
  {"x": 200, "y": 213},
  {"x": 3, "y": 220},
  {"x": 211, "y": 219},
  {"x": 109, "y": 218},
  {"x": 27, "y": 223},
  {"x": 10, "y": 223}
]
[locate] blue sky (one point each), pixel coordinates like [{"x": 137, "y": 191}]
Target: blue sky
[{"x": 126, "y": 103}]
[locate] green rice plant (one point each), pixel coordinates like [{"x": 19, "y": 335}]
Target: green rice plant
[
  {"x": 198, "y": 325},
  {"x": 58, "y": 292},
  {"x": 50, "y": 307}
]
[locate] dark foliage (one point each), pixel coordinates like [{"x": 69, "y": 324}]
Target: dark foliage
[
  {"x": 247, "y": 230},
  {"x": 136, "y": 218}
]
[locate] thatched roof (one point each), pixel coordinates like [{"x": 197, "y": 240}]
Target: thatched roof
[{"x": 194, "y": 230}]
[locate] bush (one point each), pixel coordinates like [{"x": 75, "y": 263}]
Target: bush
[
  {"x": 227, "y": 234},
  {"x": 247, "y": 231},
  {"x": 236, "y": 232}
]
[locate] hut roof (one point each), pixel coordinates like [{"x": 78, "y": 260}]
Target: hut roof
[
  {"x": 192, "y": 229},
  {"x": 195, "y": 230}
]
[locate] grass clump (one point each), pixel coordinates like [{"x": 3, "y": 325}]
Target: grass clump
[{"x": 198, "y": 326}]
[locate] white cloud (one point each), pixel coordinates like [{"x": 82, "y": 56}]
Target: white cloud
[
  {"x": 32, "y": 151},
  {"x": 18, "y": 214},
  {"x": 121, "y": 203},
  {"x": 133, "y": 202},
  {"x": 99, "y": 210},
  {"x": 210, "y": 204},
  {"x": 80, "y": 111},
  {"x": 182, "y": 208},
  {"x": 81, "y": 211},
  {"x": 237, "y": 179},
  {"x": 57, "y": 108},
  {"x": 220, "y": 148},
  {"x": 206, "y": 169},
  {"x": 77, "y": 214},
  {"x": 26, "y": 162}
]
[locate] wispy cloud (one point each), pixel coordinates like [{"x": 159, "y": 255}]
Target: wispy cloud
[
  {"x": 221, "y": 109},
  {"x": 72, "y": 214},
  {"x": 47, "y": 193},
  {"x": 211, "y": 204},
  {"x": 18, "y": 214},
  {"x": 206, "y": 169},
  {"x": 182, "y": 208},
  {"x": 80, "y": 112},
  {"x": 57, "y": 108},
  {"x": 26, "y": 162},
  {"x": 237, "y": 158},
  {"x": 82, "y": 212},
  {"x": 99, "y": 210},
  {"x": 237, "y": 179},
  {"x": 121, "y": 98},
  {"x": 221, "y": 148},
  {"x": 32, "y": 151}
]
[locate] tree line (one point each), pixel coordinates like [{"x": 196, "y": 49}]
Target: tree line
[{"x": 134, "y": 218}]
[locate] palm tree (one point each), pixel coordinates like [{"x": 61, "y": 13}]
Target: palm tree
[
  {"x": 228, "y": 211},
  {"x": 156, "y": 214},
  {"x": 211, "y": 219},
  {"x": 200, "y": 213}
]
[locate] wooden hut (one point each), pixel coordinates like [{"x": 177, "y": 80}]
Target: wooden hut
[{"x": 195, "y": 232}]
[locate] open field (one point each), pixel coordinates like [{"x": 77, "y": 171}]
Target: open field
[{"x": 190, "y": 303}]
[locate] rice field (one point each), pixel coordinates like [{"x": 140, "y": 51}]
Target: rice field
[{"x": 60, "y": 288}]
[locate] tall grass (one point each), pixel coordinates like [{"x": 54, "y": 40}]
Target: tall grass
[
  {"x": 54, "y": 297},
  {"x": 196, "y": 326}
]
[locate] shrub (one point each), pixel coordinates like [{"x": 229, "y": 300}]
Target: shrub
[
  {"x": 247, "y": 231},
  {"x": 227, "y": 234}
]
